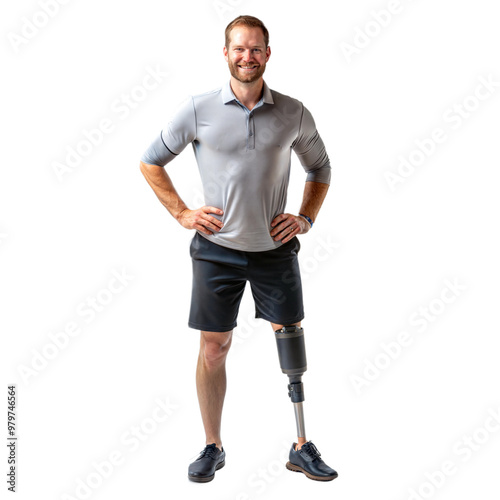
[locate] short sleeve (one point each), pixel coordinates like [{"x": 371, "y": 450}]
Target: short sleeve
[
  {"x": 179, "y": 132},
  {"x": 311, "y": 151}
]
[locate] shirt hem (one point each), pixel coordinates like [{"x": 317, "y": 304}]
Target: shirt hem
[{"x": 239, "y": 247}]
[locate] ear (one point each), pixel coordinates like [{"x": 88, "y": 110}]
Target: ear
[
  {"x": 224, "y": 50},
  {"x": 268, "y": 53}
]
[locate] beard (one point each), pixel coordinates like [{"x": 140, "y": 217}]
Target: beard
[{"x": 242, "y": 77}]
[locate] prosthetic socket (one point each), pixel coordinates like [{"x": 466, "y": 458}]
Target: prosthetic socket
[{"x": 292, "y": 356}]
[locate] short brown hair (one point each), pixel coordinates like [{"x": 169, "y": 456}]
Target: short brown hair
[{"x": 251, "y": 22}]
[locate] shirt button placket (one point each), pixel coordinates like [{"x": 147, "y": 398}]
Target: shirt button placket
[{"x": 250, "y": 131}]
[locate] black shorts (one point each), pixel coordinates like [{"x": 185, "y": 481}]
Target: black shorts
[{"x": 220, "y": 275}]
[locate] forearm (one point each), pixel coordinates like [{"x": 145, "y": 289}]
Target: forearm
[
  {"x": 161, "y": 184},
  {"x": 314, "y": 194}
]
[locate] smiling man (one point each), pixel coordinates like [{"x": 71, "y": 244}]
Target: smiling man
[{"x": 242, "y": 136}]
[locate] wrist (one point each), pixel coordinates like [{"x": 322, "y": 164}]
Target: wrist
[
  {"x": 307, "y": 219},
  {"x": 178, "y": 215}
]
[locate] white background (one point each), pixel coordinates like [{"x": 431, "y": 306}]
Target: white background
[{"x": 374, "y": 257}]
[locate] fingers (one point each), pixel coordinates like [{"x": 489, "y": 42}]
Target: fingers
[
  {"x": 210, "y": 222},
  {"x": 280, "y": 222},
  {"x": 201, "y": 228},
  {"x": 206, "y": 223},
  {"x": 286, "y": 229},
  {"x": 278, "y": 219},
  {"x": 290, "y": 235},
  {"x": 212, "y": 210}
]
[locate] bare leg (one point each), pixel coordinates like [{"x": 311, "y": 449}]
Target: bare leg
[
  {"x": 211, "y": 381},
  {"x": 302, "y": 439}
]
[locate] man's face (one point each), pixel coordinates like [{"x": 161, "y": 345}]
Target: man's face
[{"x": 247, "y": 54}]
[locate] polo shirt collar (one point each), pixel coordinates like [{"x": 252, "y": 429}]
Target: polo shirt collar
[{"x": 228, "y": 96}]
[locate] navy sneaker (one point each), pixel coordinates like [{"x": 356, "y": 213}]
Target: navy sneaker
[
  {"x": 308, "y": 461},
  {"x": 203, "y": 468}
]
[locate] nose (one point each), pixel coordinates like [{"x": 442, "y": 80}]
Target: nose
[{"x": 247, "y": 55}]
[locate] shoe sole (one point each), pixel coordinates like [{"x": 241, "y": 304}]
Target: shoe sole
[
  {"x": 206, "y": 479},
  {"x": 296, "y": 468}
]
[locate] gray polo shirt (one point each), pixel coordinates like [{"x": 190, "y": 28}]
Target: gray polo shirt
[{"x": 244, "y": 158}]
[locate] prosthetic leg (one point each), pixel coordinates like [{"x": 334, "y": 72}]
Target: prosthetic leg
[{"x": 292, "y": 356}]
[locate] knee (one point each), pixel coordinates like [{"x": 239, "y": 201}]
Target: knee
[
  {"x": 214, "y": 348},
  {"x": 277, "y": 326}
]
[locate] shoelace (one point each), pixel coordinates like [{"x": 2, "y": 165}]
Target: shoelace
[
  {"x": 311, "y": 450},
  {"x": 208, "y": 451}
]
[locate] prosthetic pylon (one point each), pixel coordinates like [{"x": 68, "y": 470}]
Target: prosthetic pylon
[{"x": 292, "y": 356}]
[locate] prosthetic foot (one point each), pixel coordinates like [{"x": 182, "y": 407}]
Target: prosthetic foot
[{"x": 292, "y": 356}]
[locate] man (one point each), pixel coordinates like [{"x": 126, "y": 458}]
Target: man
[{"x": 242, "y": 136}]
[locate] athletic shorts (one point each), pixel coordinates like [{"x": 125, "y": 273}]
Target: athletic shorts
[{"x": 220, "y": 275}]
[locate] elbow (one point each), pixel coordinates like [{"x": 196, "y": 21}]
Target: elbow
[
  {"x": 146, "y": 167},
  {"x": 322, "y": 174},
  {"x": 151, "y": 170}
]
